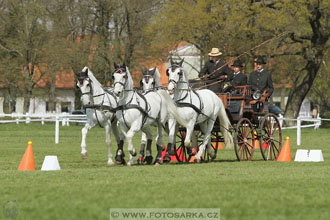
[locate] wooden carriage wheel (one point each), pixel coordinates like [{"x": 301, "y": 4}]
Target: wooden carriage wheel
[
  {"x": 270, "y": 137},
  {"x": 244, "y": 139},
  {"x": 182, "y": 154},
  {"x": 215, "y": 139}
]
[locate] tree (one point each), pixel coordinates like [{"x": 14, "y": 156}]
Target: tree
[
  {"x": 24, "y": 33},
  {"x": 237, "y": 26}
]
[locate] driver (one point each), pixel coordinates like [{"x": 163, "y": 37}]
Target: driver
[
  {"x": 215, "y": 70},
  {"x": 261, "y": 79}
]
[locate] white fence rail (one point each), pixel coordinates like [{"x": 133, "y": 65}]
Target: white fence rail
[
  {"x": 316, "y": 124},
  {"x": 27, "y": 118},
  {"x": 67, "y": 118}
]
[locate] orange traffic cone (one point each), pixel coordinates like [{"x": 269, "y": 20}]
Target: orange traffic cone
[
  {"x": 27, "y": 162},
  {"x": 220, "y": 147},
  {"x": 285, "y": 154}
]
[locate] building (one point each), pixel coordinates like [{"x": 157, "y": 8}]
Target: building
[{"x": 64, "y": 96}]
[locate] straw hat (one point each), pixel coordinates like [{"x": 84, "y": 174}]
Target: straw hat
[{"x": 215, "y": 52}]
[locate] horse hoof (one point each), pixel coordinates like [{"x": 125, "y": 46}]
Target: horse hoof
[
  {"x": 118, "y": 159},
  {"x": 140, "y": 160},
  {"x": 110, "y": 163},
  {"x": 157, "y": 162},
  {"x": 84, "y": 156},
  {"x": 197, "y": 160},
  {"x": 167, "y": 158},
  {"x": 149, "y": 159},
  {"x": 133, "y": 153}
]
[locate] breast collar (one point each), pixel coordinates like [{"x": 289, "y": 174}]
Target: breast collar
[
  {"x": 181, "y": 103},
  {"x": 144, "y": 108}
]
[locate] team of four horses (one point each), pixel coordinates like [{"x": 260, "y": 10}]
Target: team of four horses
[{"x": 137, "y": 111}]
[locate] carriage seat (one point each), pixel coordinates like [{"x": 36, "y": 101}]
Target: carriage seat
[{"x": 234, "y": 106}]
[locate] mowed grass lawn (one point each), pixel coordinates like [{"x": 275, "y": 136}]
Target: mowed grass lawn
[{"x": 87, "y": 189}]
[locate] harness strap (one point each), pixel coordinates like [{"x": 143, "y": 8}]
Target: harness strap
[
  {"x": 186, "y": 104},
  {"x": 101, "y": 107}
]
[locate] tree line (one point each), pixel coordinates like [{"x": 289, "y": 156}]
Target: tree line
[{"x": 58, "y": 35}]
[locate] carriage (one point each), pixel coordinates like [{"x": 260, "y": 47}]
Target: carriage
[{"x": 252, "y": 126}]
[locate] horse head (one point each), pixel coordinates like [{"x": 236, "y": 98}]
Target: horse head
[
  {"x": 148, "y": 82},
  {"x": 121, "y": 79},
  {"x": 85, "y": 86},
  {"x": 175, "y": 75}
]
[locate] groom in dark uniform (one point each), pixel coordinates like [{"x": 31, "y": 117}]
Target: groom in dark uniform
[
  {"x": 237, "y": 78},
  {"x": 215, "y": 70}
]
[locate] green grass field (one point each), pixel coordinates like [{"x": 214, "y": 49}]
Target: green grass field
[{"x": 87, "y": 189}]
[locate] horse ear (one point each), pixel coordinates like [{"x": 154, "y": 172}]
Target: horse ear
[
  {"x": 141, "y": 84},
  {"x": 153, "y": 71},
  {"x": 171, "y": 61},
  {"x": 86, "y": 72},
  {"x": 181, "y": 62},
  {"x": 123, "y": 65},
  {"x": 115, "y": 65}
]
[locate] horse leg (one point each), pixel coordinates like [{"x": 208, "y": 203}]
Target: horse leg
[
  {"x": 84, "y": 132},
  {"x": 206, "y": 128},
  {"x": 172, "y": 127},
  {"x": 159, "y": 144},
  {"x": 143, "y": 144},
  {"x": 120, "y": 144},
  {"x": 108, "y": 143},
  {"x": 129, "y": 137},
  {"x": 190, "y": 131},
  {"x": 148, "y": 133}
]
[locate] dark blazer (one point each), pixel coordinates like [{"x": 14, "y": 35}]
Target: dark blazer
[
  {"x": 237, "y": 80},
  {"x": 208, "y": 68},
  {"x": 261, "y": 81}
]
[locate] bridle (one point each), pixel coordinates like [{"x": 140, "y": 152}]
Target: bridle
[
  {"x": 173, "y": 68},
  {"x": 90, "y": 92},
  {"x": 120, "y": 71}
]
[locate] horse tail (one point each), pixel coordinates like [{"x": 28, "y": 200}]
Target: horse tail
[
  {"x": 172, "y": 108},
  {"x": 224, "y": 127}
]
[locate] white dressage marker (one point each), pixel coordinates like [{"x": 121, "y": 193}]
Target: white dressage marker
[
  {"x": 50, "y": 164},
  {"x": 308, "y": 156}
]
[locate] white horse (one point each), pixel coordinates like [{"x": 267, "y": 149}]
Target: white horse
[
  {"x": 149, "y": 83},
  {"x": 100, "y": 106},
  {"x": 137, "y": 111},
  {"x": 190, "y": 107}
]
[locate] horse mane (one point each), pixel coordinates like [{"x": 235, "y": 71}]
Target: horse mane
[
  {"x": 129, "y": 79},
  {"x": 92, "y": 77}
]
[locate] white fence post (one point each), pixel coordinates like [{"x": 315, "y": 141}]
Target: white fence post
[
  {"x": 280, "y": 118},
  {"x": 298, "y": 131},
  {"x": 57, "y": 130},
  {"x": 28, "y": 119}
]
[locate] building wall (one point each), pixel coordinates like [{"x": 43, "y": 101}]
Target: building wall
[{"x": 65, "y": 99}]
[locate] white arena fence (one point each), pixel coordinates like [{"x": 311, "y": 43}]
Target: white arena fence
[
  {"x": 66, "y": 119},
  {"x": 27, "y": 118}
]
